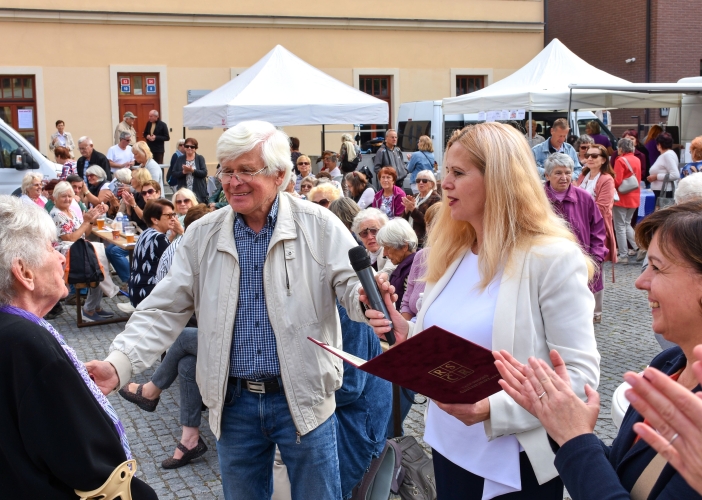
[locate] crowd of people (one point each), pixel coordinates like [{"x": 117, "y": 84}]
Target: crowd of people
[{"x": 230, "y": 283}]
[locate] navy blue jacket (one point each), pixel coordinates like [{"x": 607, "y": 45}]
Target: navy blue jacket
[
  {"x": 592, "y": 470},
  {"x": 363, "y": 406}
]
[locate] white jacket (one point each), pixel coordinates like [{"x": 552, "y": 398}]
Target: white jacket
[
  {"x": 543, "y": 303},
  {"x": 306, "y": 269}
]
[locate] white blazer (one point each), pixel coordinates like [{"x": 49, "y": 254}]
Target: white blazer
[{"x": 543, "y": 303}]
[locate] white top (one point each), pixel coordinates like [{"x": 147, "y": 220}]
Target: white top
[
  {"x": 156, "y": 173},
  {"x": 667, "y": 163},
  {"x": 589, "y": 184},
  {"x": 119, "y": 155},
  {"x": 497, "y": 461},
  {"x": 335, "y": 173},
  {"x": 366, "y": 198}
]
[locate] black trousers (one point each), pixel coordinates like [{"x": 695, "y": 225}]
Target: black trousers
[
  {"x": 158, "y": 157},
  {"x": 456, "y": 483}
]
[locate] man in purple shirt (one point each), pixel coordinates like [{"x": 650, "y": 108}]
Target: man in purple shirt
[{"x": 578, "y": 208}]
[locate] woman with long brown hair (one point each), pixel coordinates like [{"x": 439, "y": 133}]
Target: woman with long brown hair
[
  {"x": 597, "y": 178},
  {"x": 651, "y": 144},
  {"x": 504, "y": 270}
]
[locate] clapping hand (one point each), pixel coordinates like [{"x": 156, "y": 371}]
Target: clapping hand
[
  {"x": 545, "y": 392},
  {"x": 93, "y": 213},
  {"x": 409, "y": 203},
  {"x": 128, "y": 197}
]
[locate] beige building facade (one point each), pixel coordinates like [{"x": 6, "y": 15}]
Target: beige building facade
[{"x": 71, "y": 63}]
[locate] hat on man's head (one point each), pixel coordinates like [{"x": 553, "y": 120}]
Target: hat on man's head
[{"x": 129, "y": 114}]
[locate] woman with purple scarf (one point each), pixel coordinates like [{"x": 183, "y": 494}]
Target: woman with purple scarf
[
  {"x": 577, "y": 207},
  {"x": 58, "y": 432}
]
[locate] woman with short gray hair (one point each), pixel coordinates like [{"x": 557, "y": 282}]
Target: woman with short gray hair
[
  {"x": 399, "y": 242},
  {"x": 582, "y": 145},
  {"x": 366, "y": 225},
  {"x": 65, "y": 436},
  {"x": 626, "y": 166},
  {"x": 31, "y": 190}
]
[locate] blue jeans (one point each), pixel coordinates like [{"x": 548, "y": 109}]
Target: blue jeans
[
  {"x": 252, "y": 424},
  {"x": 120, "y": 261}
]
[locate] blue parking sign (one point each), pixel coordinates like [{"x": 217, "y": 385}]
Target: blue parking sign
[
  {"x": 126, "y": 89},
  {"x": 151, "y": 89}
]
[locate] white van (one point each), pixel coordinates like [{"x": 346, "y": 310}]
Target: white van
[
  {"x": 425, "y": 118},
  {"x": 18, "y": 157},
  {"x": 691, "y": 113}
]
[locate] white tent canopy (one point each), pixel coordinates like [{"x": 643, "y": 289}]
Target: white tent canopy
[
  {"x": 285, "y": 90},
  {"x": 543, "y": 85}
]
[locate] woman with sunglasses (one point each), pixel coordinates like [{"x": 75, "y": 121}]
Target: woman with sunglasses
[
  {"x": 184, "y": 200},
  {"x": 323, "y": 194},
  {"x": 581, "y": 146},
  {"x": 162, "y": 218},
  {"x": 416, "y": 207},
  {"x": 190, "y": 170},
  {"x": 306, "y": 186},
  {"x": 132, "y": 201},
  {"x": 597, "y": 178},
  {"x": 304, "y": 166},
  {"x": 366, "y": 225}
]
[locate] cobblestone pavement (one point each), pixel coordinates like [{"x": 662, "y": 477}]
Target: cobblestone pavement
[{"x": 624, "y": 338}]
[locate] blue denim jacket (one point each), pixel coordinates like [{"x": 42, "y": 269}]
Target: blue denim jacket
[
  {"x": 542, "y": 151},
  {"x": 363, "y": 406}
]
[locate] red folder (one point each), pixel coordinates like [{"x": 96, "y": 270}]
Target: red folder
[{"x": 435, "y": 363}]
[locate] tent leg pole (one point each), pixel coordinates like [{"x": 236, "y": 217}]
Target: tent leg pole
[
  {"x": 324, "y": 146},
  {"x": 570, "y": 101},
  {"x": 530, "y": 126}
]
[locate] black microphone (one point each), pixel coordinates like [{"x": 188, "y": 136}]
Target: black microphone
[{"x": 360, "y": 261}]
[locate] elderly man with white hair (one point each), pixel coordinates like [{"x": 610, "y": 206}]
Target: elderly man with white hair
[
  {"x": 91, "y": 157},
  {"x": 262, "y": 275}
]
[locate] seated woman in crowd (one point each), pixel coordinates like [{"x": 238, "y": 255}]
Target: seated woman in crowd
[
  {"x": 411, "y": 301},
  {"x": 184, "y": 200},
  {"x": 31, "y": 189},
  {"x": 133, "y": 202},
  {"x": 63, "y": 157},
  {"x": 48, "y": 193},
  {"x": 69, "y": 230},
  {"x": 304, "y": 166},
  {"x": 145, "y": 159},
  {"x": 389, "y": 198},
  {"x": 421, "y": 160},
  {"x": 346, "y": 210},
  {"x": 496, "y": 227},
  {"x": 65, "y": 435},
  {"x": 366, "y": 226},
  {"x": 111, "y": 192},
  {"x": 190, "y": 170},
  {"x": 630, "y": 468},
  {"x": 359, "y": 189},
  {"x": 696, "y": 154},
  {"x": 326, "y": 177},
  {"x": 150, "y": 190},
  {"x": 323, "y": 194},
  {"x": 97, "y": 178},
  {"x": 415, "y": 208},
  {"x": 180, "y": 360},
  {"x": 306, "y": 186},
  {"x": 161, "y": 217},
  {"x": 290, "y": 189},
  {"x": 578, "y": 208}
]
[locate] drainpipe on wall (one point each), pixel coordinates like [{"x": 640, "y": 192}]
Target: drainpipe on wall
[
  {"x": 648, "y": 50},
  {"x": 546, "y": 22}
]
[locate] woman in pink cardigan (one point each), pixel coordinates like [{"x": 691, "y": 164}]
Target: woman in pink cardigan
[
  {"x": 388, "y": 199},
  {"x": 597, "y": 178}
]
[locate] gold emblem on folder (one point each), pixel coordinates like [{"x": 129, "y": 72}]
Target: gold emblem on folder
[{"x": 451, "y": 371}]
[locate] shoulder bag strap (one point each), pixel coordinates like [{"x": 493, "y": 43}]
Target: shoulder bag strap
[
  {"x": 648, "y": 478},
  {"x": 628, "y": 165}
]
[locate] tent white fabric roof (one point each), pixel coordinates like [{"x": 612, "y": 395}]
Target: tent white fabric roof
[
  {"x": 285, "y": 90},
  {"x": 543, "y": 85}
]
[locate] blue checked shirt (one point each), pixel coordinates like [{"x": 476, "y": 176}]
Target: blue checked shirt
[{"x": 253, "y": 355}]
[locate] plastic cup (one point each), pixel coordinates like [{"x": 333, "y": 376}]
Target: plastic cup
[
  {"x": 101, "y": 223},
  {"x": 129, "y": 235},
  {"x": 115, "y": 234}
]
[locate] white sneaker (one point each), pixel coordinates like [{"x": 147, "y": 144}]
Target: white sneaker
[
  {"x": 126, "y": 307},
  {"x": 632, "y": 253}
]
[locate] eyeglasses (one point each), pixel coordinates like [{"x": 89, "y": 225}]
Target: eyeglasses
[
  {"x": 148, "y": 191},
  {"x": 189, "y": 146},
  {"x": 303, "y": 163},
  {"x": 179, "y": 202},
  {"x": 423, "y": 180},
  {"x": 245, "y": 177},
  {"x": 323, "y": 202},
  {"x": 305, "y": 186},
  {"x": 330, "y": 158},
  {"x": 593, "y": 155},
  {"x": 373, "y": 231},
  {"x": 171, "y": 215},
  {"x": 584, "y": 148}
]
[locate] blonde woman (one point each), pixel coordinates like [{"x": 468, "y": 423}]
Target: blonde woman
[
  {"x": 132, "y": 202},
  {"x": 145, "y": 159},
  {"x": 31, "y": 189},
  {"x": 184, "y": 200},
  {"x": 504, "y": 272},
  {"x": 420, "y": 160},
  {"x": 323, "y": 194}
]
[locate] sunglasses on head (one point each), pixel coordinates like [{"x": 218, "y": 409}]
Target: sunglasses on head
[
  {"x": 373, "y": 231},
  {"x": 323, "y": 202},
  {"x": 189, "y": 146},
  {"x": 148, "y": 191}
]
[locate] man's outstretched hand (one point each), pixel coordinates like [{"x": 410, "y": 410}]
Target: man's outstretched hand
[{"x": 103, "y": 374}]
